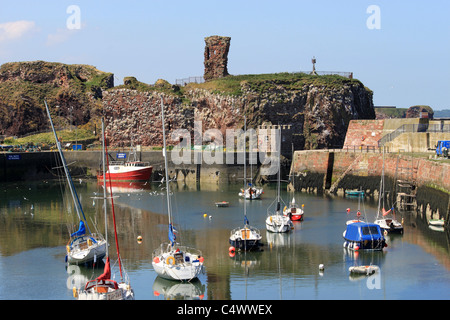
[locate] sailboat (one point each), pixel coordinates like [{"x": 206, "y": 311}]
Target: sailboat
[
  {"x": 386, "y": 219},
  {"x": 251, "y": 192},
  {"x": 293, "y": 210},
  {"x": 171, "y": 260},
  {"x": 84, "y": 247},
  {"x": 103, "y": 287},
  {"x": 245, "y": 238},
  {"x": 276, "y": 221}
]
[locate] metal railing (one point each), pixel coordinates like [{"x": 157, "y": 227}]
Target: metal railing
[
  {"x": 185, "y": 81},
  {"x": 408, "y": 128}
]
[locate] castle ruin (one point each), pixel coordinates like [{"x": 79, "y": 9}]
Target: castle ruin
[{"x": 216, "y": 57}]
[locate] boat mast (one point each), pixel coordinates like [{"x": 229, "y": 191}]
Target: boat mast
[
  {"x": 245, "y": 170},
  {"x": 166, "y": 165},
  {"x": 278, "y": 139},
  {"x": 76, "y": 201},
  {"x": 381, "y": 193}
]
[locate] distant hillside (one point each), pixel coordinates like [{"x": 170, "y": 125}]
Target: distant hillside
[{"x": 442, "y": 113}]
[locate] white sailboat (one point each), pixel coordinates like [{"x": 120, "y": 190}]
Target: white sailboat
[
  {"x": 386, "y": 219},
  {"x": 171, "y": 260},
  {"x": 84, "y": 247},
  {"x": 276, "y": 221},
  {"x": 104, "y": 287},
  {"x": 250, "y": 192},
  {"x": 245, "y": 238}
]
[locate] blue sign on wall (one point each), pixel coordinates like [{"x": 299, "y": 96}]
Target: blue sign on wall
[
  {"x": 121, "y": 155},
  {"x": 14, "y": 157}
]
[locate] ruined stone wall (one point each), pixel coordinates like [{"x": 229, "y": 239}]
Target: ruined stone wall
[{"x": 216, "y": 57}]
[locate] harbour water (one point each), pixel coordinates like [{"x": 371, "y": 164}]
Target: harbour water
[{"x": 33, "y": 236}]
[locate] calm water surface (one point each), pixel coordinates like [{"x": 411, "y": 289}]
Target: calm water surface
[{"x": 34, "y": 220}]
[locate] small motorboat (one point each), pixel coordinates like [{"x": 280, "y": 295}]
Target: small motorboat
[
  {"x": 365, "y": 270},
  {"x": 354, "y": 193},
  {"x": 222, "y": 204}
]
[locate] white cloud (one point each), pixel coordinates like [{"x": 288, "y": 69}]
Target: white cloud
[
  {"x": 16, "y": 29},
  {"x": 60, "y": 36}
]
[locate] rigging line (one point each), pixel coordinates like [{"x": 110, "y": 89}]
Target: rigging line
[
  {"x": 112, "y": 200},
  {"x": 78, "y": 206}
]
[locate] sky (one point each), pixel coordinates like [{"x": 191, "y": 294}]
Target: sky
[{"x": 400, "y": 49}]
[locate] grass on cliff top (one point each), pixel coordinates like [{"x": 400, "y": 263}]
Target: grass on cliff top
[
  {"x": 259, "y": 82},
  {"x": 66, "y": 135}
]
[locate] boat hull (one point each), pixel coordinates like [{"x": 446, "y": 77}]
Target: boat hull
[
  {"x": 177, "y": 272},
  {"x": 364, "y": 270},
  {"x": 123, "y": 292},
  {"x": 134, "y": 174},
  {"x": 245, "y": 245},
  {"x": 390, "y": 226},
  {"x": 375, "y": 245},
  {"x": 278, "y": 224},
  {"x": 180, "y": 263},
  {"x": 89, "y": 254}
]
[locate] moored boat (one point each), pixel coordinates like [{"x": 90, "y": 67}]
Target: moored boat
[
  {"x": 276, "y": 221},
  {"x": 222, "y": 204},
  {"x": 365, "y": 270},
  {"x": 171, "y": 260},
  {"x": 104, "y": 287},
  {"x": 364, "y": 236},
  {"x": 127, "y": 170},
  {"x": 293, "y": 211},
  {"x": 386, "y": 219},
  {"x": 84, "y": 246}
]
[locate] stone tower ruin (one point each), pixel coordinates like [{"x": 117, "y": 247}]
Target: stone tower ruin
[{"x": 216, "y": 57}]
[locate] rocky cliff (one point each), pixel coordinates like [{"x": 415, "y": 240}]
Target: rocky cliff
[
  {"x": 317, "y": 109},
  {"x": 76, "y": 89}
]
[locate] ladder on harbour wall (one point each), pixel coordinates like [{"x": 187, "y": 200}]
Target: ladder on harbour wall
[
  {"x": 406, "y": 184},
  {"x": 350, "y": 167}
]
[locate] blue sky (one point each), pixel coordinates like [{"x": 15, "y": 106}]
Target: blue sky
[{"x": 405, "y": 59}]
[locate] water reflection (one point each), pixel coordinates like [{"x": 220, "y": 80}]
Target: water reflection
[
  {"x": 286, "y": 268},
  {"x": 175, "y": 290}
]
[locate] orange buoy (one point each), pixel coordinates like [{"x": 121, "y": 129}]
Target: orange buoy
[
  {"x": 156, "y": 260},
  {"x": 201, "y": 259},
  {"x": 231, "y": 249}
]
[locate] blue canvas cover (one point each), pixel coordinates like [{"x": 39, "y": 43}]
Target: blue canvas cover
[
  {"x": 81, "y": 230},
  {"x": 360, "y": 231}
]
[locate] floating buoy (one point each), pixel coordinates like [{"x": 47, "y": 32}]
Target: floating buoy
[
  {"x": 205, "y": 215},
  {"x": 231, "y": 249},
  {"x": 139, "y": 239},
  {"x": 321, "y": 267}
]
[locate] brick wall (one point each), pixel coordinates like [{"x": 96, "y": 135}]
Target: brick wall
[{"x": 363, "y": 133}]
